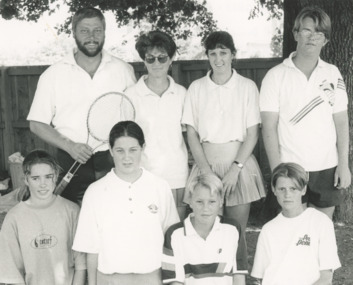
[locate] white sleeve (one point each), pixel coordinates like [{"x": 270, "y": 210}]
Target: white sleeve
[
  {"x": 341, "y": 98},
  {"x": 253, "y": 109},
  {"x": 183, "y": 96},
  {"x": 328, "y": 257},
  {"x": 169, "y": 213},
  {"x": 87, "y": 233},
  {"x": 130, "y": 78},
  {"x": 262, "y": 258},
  {"x": 269, "y": 93},
  {"x": 190, "y": 111},
  {"x": 79, "y": 257},
  {"x": 43, "y": 105}
]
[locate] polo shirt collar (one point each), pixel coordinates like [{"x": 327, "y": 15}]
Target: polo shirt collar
[
  {"x": 143, "y": 90},
  {"x": 118, "y": 181},
  {"x": 190, "y": 230},
  {"x": 289, "y": 61},
  {"x": 228, "y": 85},
  {"x": 70, "y": 59}
]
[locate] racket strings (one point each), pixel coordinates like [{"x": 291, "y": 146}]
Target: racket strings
[{"x": 105, "y": 112}]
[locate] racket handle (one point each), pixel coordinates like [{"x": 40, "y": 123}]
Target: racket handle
[
  {"x": 67, "y": 178},
  {"x": 60, "y": 187}
]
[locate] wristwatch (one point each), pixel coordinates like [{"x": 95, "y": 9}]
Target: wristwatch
[{"x": 239, "y": 164}]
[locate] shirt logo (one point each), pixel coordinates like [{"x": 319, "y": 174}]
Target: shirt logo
[
  {"x": 304, "y": 241},
  {"x": 153, "y": 208},
  {"x": 44, "y": 241},
  {"x": 327, "y": 94}
]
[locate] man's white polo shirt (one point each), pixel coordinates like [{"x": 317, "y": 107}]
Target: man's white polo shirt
[
  {"x": 124, "y": 223},
  {"x": 65, "y": 92}
]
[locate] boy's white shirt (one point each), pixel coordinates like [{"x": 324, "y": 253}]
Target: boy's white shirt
[{"x": 293, "y": 251}]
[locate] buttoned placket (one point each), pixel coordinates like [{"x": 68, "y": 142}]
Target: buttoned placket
[{"x": 130, "y": 199}]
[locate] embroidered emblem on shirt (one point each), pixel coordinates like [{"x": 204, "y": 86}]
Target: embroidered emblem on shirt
[
  {"x": 44, "y": 241},
  {"x": 304, "y": 241},
  {"x": 153, "y": 208},
  {"x": 327, "y": 94}
]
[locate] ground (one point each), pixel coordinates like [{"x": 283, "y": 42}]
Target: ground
[{"x": 344, "y": 236}]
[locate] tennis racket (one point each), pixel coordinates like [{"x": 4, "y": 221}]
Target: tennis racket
[{"x": 107, "y": 110}]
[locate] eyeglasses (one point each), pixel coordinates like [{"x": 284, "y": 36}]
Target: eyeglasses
[
  {"x": 151, "y": 59},
  {"x": 315, "y": 35}
]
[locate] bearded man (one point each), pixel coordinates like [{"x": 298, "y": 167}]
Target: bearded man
[{"x": 64, "y": 94}]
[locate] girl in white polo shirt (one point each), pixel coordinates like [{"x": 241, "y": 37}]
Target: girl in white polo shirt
[
  {"x": 222, "y": 115},
  {"x": 159, "y": 105},
  {"x": 124, "y": 216}
]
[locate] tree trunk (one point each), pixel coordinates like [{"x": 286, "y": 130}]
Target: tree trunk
[{"x": 339, "y": 51}]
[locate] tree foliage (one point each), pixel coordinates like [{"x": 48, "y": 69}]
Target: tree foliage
[
  {"x": 275, "y": 7},
  {"x": 181, "y": 18}
]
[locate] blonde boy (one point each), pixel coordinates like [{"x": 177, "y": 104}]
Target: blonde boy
[{"x": 205, "y": 248}]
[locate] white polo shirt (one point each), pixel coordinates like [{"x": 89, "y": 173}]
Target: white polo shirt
[
  {"x": 159, "y": 117},
  {"x": 222, "y": 113},
  {"x": 190, "y": 259},
  {"x": 65, "y": 92},
  {"x": 124, "y": 223},
  {"x": 306, "y": 130},
  {"x": 292, "y": 251}
]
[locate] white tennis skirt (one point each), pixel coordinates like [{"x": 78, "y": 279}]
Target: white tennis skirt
[{"x": 250, "y": 185}]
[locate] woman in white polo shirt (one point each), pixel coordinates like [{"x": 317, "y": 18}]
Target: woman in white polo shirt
[
  {"x": 222, "y": 116},
  {"x": 124, "y": 216},
  {"x": 159, "y": 105}
]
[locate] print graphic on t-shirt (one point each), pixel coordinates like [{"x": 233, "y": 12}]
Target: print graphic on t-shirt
[
  {"x": 327, "y": 94},
  {"x": 305, "y": 240},
  {"x": 44, "y": 241}
]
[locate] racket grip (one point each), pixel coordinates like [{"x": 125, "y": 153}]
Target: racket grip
[{"x": 63, "y": 183}]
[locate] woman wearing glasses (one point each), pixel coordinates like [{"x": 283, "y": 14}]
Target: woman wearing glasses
[
  {"x": 222, "y": 116},
  {"x": 159, "y": 106}
]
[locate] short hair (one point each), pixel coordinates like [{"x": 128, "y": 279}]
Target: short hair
[
  {"x": 126, "y": 129},
  {"x": 219, "y": 39},
  {"x": 210, "y": 181},
  {"x": 155, "y": 39},
  {"x": 321, "y": 19},
  {"x": 87, "y": 12},
  {"x": 293, "y": 171}
]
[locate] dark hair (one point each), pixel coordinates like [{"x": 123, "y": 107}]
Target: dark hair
[
  {"x": 126, "y": 129},
  {"x": 39, "y": 156},
  {"x": 322, "y": 20},
  {"x": 293, "y": 171},
  {"x": 155, "y": 39},
  {"x": 219, "y": 39},
  {"x": 87, "y": 12}
]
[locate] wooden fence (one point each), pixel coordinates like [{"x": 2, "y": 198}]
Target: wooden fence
[{"x": 18, "y": 85}]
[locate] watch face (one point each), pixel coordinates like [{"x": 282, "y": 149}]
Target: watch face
[{"x": 240, "y": 165}]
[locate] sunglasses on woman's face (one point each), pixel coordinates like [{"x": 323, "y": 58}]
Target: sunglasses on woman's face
[{"x": 151, "y": 59}]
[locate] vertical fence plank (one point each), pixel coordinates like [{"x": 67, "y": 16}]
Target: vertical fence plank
[
  {"x": 8, "y": 141},
  {"x": 2, "y": 117}
]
